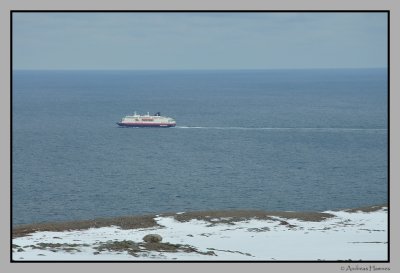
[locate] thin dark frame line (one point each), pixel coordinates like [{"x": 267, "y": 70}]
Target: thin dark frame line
[
  {"x": 11, "y": 129},
  {"x": 203, "y": 11},
  {"x": 388, "y": 133}
]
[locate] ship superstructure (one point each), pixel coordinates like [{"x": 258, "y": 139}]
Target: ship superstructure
[{"x": 148, "y": 120}]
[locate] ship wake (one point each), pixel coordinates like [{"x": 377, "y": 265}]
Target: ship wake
[{"x": 318, "y": 129}]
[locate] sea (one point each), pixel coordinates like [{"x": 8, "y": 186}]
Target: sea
[{"x": 292, "y": 140}]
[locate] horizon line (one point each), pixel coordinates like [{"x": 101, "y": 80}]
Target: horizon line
[{"x": 187, "y": 69}]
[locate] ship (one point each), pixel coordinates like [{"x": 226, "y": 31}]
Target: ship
[{"x": 155, "y": 120}]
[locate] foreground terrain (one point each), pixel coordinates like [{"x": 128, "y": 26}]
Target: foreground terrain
[{"x": 354, "y": 234}]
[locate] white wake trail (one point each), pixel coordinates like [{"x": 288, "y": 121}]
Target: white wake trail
[{"x": 282, "y": 128}]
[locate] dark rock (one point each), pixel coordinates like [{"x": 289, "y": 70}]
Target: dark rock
[{"x": 152, "y": 238}]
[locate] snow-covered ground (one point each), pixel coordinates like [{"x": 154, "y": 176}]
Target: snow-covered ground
[{"x": 346, "y": 236}]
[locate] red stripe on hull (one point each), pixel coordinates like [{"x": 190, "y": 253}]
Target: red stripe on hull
[{"x": 146, "y": 124}]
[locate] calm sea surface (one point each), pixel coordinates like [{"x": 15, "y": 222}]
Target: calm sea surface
[{"x": 269, "y": 140}]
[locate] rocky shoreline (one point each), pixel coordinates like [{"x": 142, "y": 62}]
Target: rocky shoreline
[
  {"x": 146, "y": 221},
  {"x": 210, "y": 235}
]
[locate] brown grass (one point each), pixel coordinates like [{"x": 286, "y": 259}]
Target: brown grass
[
  {"x": 213, "y": 217},
  {"x": 367, "y": 209},
  {"x": 123, "y": 222},
  {"x": 134, "y": 248},
  {"x": 229, "y": 217}
]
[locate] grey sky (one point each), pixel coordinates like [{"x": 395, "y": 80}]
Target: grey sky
[{"x": 199, "y": 40}]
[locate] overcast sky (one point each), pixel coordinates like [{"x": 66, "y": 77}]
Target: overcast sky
[{"x": 199, "y": 40}]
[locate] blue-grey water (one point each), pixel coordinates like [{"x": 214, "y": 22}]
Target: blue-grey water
[{"x": 263, "y": 139}]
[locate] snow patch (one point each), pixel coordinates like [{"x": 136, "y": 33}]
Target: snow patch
[{"x": 346, "y": 236}]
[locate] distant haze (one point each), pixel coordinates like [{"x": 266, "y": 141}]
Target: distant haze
[{"x": 179, "y": 40}]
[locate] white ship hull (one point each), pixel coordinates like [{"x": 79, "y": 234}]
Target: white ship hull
[{"x": 147, "y": 121}]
